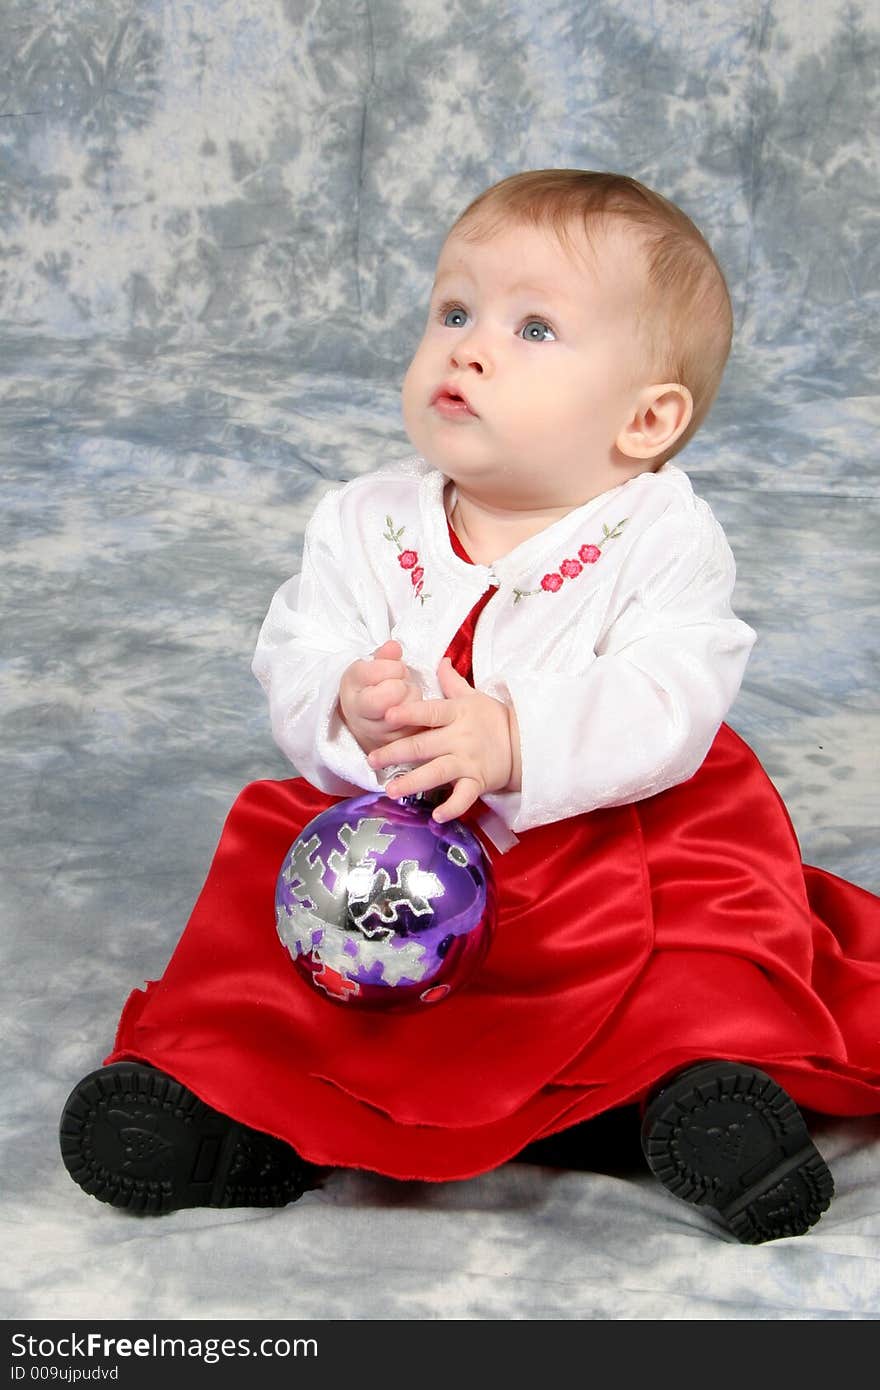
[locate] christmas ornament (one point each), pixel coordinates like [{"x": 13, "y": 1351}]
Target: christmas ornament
[{"x": 381, "y": 906}]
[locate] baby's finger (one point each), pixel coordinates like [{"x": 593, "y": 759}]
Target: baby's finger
[
  {"x": 395, "y": 692},
  {"x": 428, "y": 714},
  {"x": 412, "y": 694},
  {"x": 462, "y": 797},
  {"x": 434, "y": 773},
  {"x": 376, "y": 700},
  {"x": 374, "y": 672},
  {"x": 419, "y": 746},
  {"x": 390, "y": 648},
  {"x": 368, "y": 704}
]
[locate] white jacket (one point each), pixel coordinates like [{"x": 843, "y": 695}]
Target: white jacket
[{"x": 611, "y": 634}]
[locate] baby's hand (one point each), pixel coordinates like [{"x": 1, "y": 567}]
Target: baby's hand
[
  {"x": 368, "y": 689},
  {"x": 467, "y": 738}
]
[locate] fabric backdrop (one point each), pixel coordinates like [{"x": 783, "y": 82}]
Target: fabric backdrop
[{"x": 219, "y": 222}]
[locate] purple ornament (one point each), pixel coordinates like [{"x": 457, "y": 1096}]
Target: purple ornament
[{"x": 381, "y": 906}]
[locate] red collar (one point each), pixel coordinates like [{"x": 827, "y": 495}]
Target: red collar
[{"x": 457, "y": 545}]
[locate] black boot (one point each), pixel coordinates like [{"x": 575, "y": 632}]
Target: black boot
[
  {"x": 134, "y": 1137},
  {"x": 724, "y": 1134}
]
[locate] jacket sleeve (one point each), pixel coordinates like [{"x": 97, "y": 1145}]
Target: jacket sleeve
[
  {"x": 313, "y": 631},
  {"x": 660, "y": 679}
]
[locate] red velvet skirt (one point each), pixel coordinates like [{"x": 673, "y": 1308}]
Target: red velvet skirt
[{"x": 630, "y": 942}]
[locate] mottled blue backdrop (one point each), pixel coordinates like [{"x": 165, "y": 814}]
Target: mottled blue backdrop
[{"x": 218, "y": 222}]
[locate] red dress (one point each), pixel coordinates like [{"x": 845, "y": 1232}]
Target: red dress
[{"x": 630, "y": 942}]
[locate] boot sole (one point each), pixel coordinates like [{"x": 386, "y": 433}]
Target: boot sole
[
  {"x": 135, "y": 1138},
  {"x": 729, "y": 1137}
]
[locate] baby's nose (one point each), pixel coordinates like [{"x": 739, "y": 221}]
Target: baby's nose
[{"x": 469, "y": 357}]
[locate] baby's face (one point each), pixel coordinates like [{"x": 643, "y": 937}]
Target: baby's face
[{"x": 529, "y": 367}]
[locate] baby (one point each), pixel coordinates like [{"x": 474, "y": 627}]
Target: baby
[
  {"x": 532, "y": 412},
  {"x": 530, "y": 622}
]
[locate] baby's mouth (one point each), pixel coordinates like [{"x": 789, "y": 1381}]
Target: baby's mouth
[{"x": 450, "y": 402}]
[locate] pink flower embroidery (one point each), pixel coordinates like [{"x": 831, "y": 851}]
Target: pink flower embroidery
[
  {"x": 407, "y": 559},
  {"x": 570, "y": 568}
]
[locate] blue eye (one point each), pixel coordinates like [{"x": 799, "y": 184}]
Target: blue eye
[
  {"x": 537, "y": 331},
  {"x": 453, "y": 316}
]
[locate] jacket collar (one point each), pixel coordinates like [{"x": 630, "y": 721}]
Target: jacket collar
[{"x": 544, "y": 549}]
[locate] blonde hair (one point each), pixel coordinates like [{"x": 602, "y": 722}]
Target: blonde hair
[{"x": 687, "y": 321}]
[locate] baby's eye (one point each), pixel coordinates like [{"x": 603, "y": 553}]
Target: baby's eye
[
  {"x": 453, "y": 316},
  {"x": 537, "y": 331}
]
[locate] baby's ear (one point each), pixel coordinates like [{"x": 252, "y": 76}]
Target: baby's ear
[{"x": 662, "y": 414}]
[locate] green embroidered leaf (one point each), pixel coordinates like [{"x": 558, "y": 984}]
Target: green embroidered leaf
[{"x": 391, "y": 534}]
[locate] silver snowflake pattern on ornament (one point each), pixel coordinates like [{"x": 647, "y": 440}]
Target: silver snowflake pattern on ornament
[
  {"x": 361, "y": 895},
  {"x": 413, "y": 889},
  {"x": 352, "y": 867},
  {"x": 345, "y": 955},
  {"x": 299, "y": 929}
]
